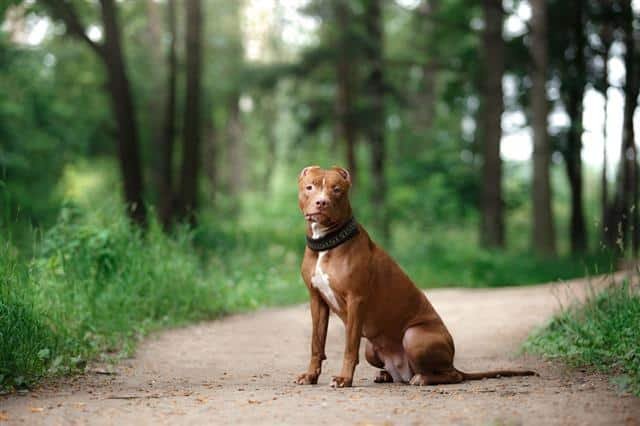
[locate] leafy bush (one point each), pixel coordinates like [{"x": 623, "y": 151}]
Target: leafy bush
[{"x": 603, "y": 333}]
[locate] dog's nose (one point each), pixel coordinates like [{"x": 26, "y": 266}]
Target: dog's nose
[{"x": 321, "y": 203}]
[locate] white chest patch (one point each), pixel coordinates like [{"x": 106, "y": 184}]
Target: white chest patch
[{"x": 320, "y": 280}]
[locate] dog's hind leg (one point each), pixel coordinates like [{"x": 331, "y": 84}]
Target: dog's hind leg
[
  {"x": 372, "y": 357},
  {"x": 430, "y": 353}
]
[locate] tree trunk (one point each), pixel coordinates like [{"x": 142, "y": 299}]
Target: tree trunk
[
  {"x": 376, "y": 114},
  {"x": 165, "y": 141},
  {"x": 628, "y": 187},
  {"x": 156, "y": 101},
  {"x": 344, "y": 101},
  {"x": 210, "y": 152},
  {"x": 235, "y": 147},
  {"x": 191, "y": 143},
  {"x": 572, "y": 153},
  {"x": 270, "y": 115},
  {"x": 424, "y": 101},
  {"x": 543, "y": 228},
  {"x": 606, "y": 37},
  {"x": 110, "y": 52},
  {"x": 492, "y": 230},
  {"x": 608, "y": 236},
  {"x": 122, "y": 106}
]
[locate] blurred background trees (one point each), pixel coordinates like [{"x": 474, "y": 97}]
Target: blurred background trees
[{"x": 488, "y": 124}]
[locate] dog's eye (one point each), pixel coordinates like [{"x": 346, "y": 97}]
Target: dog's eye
[
  {"x": 309, "y": 187},
  {"x": 337, "y": 189}
]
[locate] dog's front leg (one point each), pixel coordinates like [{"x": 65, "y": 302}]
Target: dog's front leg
[
  {"x": 353, "y": 333},
  {"x": 320, "y": 321}
]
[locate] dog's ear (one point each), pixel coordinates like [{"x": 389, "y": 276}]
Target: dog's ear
[
  {"x": 306, "y": 170},
  {"x": 344, "y": 173}
]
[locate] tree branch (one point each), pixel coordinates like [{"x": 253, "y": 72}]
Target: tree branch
[{"x": 63, "y": 10}]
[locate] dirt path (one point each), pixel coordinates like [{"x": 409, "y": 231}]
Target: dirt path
[{"x": 240, "y": 370}]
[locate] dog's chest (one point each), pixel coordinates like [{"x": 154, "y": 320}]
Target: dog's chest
[{"x": 321, "y": 281}]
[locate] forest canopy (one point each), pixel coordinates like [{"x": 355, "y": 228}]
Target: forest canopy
[{"x": 503, "y": 118}]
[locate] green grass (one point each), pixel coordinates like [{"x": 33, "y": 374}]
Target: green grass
[
  {"x": 603, "y": 333},
  {"x": 24, "y": 336}
]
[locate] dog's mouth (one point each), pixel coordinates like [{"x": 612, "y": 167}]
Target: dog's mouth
[{"x": 315, "y": 216}]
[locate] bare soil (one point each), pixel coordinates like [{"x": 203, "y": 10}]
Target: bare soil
[{"x": 240, "y": 370}]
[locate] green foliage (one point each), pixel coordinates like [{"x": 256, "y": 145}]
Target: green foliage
[
  {"x": 603, "y": 333},
  {"x": 95, "y": 285},
  {"x": 43, "y": 94},
  {"x": 448, "y": 257}
]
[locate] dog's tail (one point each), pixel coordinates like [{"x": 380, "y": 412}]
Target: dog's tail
[{"x": 496, "y": 373}]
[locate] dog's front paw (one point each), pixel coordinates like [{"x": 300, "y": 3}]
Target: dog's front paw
[
  {"x": 307, "y": 379},
  {"x": 340, "y": 382}
]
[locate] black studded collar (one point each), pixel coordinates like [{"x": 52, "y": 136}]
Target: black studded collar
[{"x": 334, "y": 239}]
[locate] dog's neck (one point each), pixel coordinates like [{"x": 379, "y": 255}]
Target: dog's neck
[{"x": 316, "y": 230}]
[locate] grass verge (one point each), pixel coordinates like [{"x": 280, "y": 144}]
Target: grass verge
[{"x": 603, "y": 333}]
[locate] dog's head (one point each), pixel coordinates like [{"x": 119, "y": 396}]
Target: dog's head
[{"x": 323, "y": 195}]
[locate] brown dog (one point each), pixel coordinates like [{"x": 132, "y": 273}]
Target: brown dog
[{"x": 348, "y": 273}]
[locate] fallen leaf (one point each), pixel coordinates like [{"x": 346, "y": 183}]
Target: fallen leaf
[
  {"x": 4, "y": 416},
  {"x": 36, "y": 409}
]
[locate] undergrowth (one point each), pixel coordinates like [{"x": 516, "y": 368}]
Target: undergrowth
[{"x": 603, "y": 333}]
